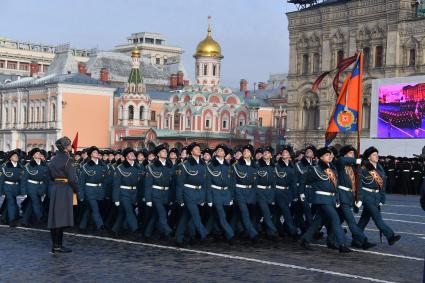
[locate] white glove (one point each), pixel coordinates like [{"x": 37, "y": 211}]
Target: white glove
[
  {"x": 42, "y": 197},
  {"x": 202, "y": 204},
  {"x": 302, "y": 197},
  {"x": 380, "y": 204},
  {"x": 182, "y": 204},
  {"x": 171, "y": 203},
  {"x": 358, "y": 161},
  {"x": 117, "y": 203},
  {"x": 25, "y": 196},
  {"x": 231, "y": 202},
  {"x": 210, "y": 204},
  {"x": 149, "y": 203},
  {"x": 273, "y": 203},
  {"x": 358, "y": 203},
  {"x": 338, "y": 205}
]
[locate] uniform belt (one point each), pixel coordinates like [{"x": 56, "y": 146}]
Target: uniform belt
[
  {"x": 11, "y": 183},
  {"x": 35, "y": 182},
  {"x": 370, "y": 190},
  {"x": 324, "y": 193},
  {"x": 93, "y": 184},
  {"x": 281, "y": 187},
  {"x": 391, "y": 169},
  {"x": 219, "y": 187},
  {"x": 263, "y": 187},
  {"x": 308, "y": 186},
  {"x": 345, "y": 188},
  {"x": 406, "y": 170},
  {"x": 193, "y": 186},
  {"x": 128, "y": 187},
  {"x": 243, "y": 186},
  {"x": 62, "y": 180},
  {"x": 160, "y": 188},
  {"x": 416, "y": 171}
]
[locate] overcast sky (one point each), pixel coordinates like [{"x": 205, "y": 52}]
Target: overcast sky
[{"x": 252, "y": 33}]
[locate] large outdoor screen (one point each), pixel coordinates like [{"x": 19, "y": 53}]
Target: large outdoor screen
[{"x": 401, "y": 111}]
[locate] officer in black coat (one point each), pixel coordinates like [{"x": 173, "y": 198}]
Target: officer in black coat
[{"x": 63, "y": 183}]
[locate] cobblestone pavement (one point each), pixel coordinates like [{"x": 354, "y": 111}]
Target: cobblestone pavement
[{"x": 24, "y": 257}]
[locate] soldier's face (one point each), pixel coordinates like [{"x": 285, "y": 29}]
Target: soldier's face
[
  {"x": 207, "y": 157},
  {"x": 220, "y": 153},
  {"x": 267, "y": 155},
  {"x": 37, "y": 155},
  {"x": 84, "y": 155},
  {"x": 14, "y": 158},
  {"x": 258, "y": 155},
  {"x": 184, "y": 154},
  {"x": 111, "y": 157},
  {"x": 238, "y": 155},
  {"x": 140, "y": 157},
  {"x": 309, "y": 153},
  {"x": 163, "y": 154},
  {"x": 95, "y": 154},
  {"x": 285, "y": 154},
  {"x": 131, "y": 156},
  {"x": 350, "y": 154},
  {"x": 246, "y": 154},
  {"x": 173, "y": 155},
  {"x": 374, "y": 157},
  {"x": 196, "y": 151},
  {"x": 327, "y": 158}
]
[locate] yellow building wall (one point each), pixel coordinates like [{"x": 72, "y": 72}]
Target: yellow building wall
[
  {"x": 89, "y": 116},
  {"x": 267, "y": 115}
]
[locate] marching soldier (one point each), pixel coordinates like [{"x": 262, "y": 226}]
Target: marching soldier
[
  {"x": 158, "y": 184},
  {"x": 286, "y": 189},
  {"x": 347, "y": 186},
  {"x": 63, "y": 184},
  {"x": 191, "y": 192},
  {"x": 324, "y": 185},
  {"x": 34, "y": 184},
  {"x": 245, "y": 191},
  {"x": 220, "y": 188},
  {"x": 126, "y": 187},
  {"x": 10, "y": 179},
  {"x": 266, "y": 186},
  {"x": 373, "y": 194},
  {"x": 93, "y": 182}
]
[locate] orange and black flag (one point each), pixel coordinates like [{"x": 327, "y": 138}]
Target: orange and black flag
[{"x": 347, "y": 113}]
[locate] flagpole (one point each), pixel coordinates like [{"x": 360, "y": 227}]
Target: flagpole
[{"x": 359, "y": 127}]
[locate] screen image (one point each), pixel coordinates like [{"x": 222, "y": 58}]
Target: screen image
[{"x": 401, "y": 110}]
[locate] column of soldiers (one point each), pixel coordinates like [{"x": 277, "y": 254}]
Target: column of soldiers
[{"x": 225, "y": 194}]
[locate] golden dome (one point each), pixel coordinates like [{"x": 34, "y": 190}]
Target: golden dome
[
  {"x": 135, "y": 52},
  {"x": 208, "y": 47}
]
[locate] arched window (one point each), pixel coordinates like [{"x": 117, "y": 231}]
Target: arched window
[
  {"x": 225, "y": 122},
  {"x": 141, "y": 112},
  {"x": 339, "y": 56},
  {"x": 37, "y": 115},
  {"x": 412, "y": 57},
  {"x": 130, "y": 112},
  {"x": 176, "y": 121},
  {"x": 53, "y": 115},
  {"x": 379, "y": 56},
  {"x": 153, "y": 115},
  {"x": 214, "y": 69},
  {"x": 197, "y": 69},
  {"x": 305, "y": 64},
  {"x": 316, "y": 63},
  {"x": 310, "y": 114},
  {"x": 242, "y": 121},
  {"x": 24, "y": 109},
  {"x": 366, "y": 57},
  {"x": 205, "y": 69},
  {"x": 208, "y": 121},
  {"x": 15, "y": 116}
]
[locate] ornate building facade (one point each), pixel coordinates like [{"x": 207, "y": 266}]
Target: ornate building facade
[{"x": 391, "y": 34}]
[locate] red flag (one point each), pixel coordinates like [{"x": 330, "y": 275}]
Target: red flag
[
  {"x": 75, "y": 143},
  {"x": 347, "y": 113}
]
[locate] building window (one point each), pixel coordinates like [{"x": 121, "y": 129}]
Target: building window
[
  {"x": 141, "y": 111},
  {"x": 339, "y": 56},
  {"x": 242, "y": 121},
  {"x": 176, "y": 121},
  {"x": 7, "y": 115},
  {"x": 158, "y": 61},
  {"x": 188, "y": 118},
  {"x": 225, "y": 123},
  {"x": 205, "y": 69},
  {"x": 366, "y": 57},
  {"x": 305, "y": 64},
  {"x": 208, "y": 122},
  {"x": 153, "y": 116},
  {"x": 167, "y": 123},
  {"x": 24, "y": 66},
  {"x": 1, "y": 64},
  {"x": 165, "y": 60},
  {"x": 12, "y": 65},
  {"x": 53, "y": 112},
  {"x": 45, "y": 68},
  {"x": 197, "y": 69},
  {"x": 15, "y": 120},
  {"x": 130, "y": 112},
  {"x": 214, "y": 69},
  {"x": 379, "y": 56},
  {"x": 316, "y": 63},
  {"x": 38, "y": 115},
  {"x": 412, "y": 57},
  {"x": 260, "y": 121},
  {"x": 25, "y": 114}
]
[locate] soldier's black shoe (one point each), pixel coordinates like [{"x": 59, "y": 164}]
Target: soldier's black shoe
[
  {"x": 356, "y": 244},
  {"x": 306, "y": 245},
  {"x": 318, "y": 236},
  {"x": 296, "y": 237},
  {"x": 344, "y": 249},
  {"x": 180, "y": 245},
  {"x": 366, "y": 245},
  {"x": 332, "y": 246},
  {"x": 63, "y": 249},
  {"x": 231, "y": 241},
  {"x": 254, "y": 240},
  {"x": 393, "y": 239},
  {"x": 14, "y": 223}
]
